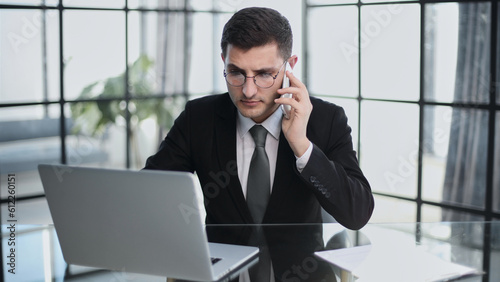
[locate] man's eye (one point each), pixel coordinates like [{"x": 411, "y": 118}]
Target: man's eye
[
  {"x": 235, "y": 73},
  {"x": 265, "y": 75}
]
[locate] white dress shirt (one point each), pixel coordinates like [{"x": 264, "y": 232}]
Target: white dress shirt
[{"x": 245, "y": 146}]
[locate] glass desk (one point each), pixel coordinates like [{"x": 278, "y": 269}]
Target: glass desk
[{"x": 290, "y": 249}]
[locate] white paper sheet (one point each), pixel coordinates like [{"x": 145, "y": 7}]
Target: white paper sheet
[{"x": 372, "y": 263}]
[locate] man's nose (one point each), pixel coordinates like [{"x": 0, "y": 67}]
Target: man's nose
[{"x": 249, "y": 88}]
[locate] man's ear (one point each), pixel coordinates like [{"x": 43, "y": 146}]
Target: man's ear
[
  {"x": 222, "y": 56},
  {"x": 293, "y": 60}
]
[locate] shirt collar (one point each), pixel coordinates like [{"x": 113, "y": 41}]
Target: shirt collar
[{"x": 272, "y": 124}]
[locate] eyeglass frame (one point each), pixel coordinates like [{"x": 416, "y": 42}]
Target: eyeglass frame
[{"x": 254, "y": 80}]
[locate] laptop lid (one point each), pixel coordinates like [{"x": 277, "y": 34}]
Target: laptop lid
[{"x": 147, "y": 222}]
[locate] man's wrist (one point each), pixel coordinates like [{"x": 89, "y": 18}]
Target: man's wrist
[
  {"x": 300, "y": 148},
  {"x": 302, "y": 161}
]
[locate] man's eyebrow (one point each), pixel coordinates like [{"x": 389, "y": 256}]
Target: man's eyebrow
[{"x": 234, "y": 67}]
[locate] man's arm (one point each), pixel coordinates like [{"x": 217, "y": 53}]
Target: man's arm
[
  {"x": 332, "y": 171},
  {"x": 340, "y": 187},
  {"x": 173, "y": 153}
]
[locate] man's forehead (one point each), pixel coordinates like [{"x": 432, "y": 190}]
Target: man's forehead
[{"x": 266, "y": 56}]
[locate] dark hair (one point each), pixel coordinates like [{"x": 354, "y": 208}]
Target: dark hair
[{"x": 254, "y": 27}]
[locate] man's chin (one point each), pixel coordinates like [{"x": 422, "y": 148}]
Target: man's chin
[
  {"x": 250, "y": 114},
  {"x": 256, "y": 116}
]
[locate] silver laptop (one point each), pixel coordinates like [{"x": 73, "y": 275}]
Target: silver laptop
[{"x": 149, "y": 222}]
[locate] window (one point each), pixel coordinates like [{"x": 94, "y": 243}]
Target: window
[
  {"x": 427, "y": 110},
  {"x": 93, "y": 83},
  {"x": 97, "y": 83},
  {"x": 422, "y": 76}
]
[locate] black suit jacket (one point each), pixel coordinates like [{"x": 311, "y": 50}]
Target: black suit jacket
[{"x": 203, "y": 140}]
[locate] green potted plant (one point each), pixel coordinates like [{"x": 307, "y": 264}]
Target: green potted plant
[{"x": 93, "y": 118}]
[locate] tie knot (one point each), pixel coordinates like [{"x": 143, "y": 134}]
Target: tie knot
[{"x": 259, "y": 134}]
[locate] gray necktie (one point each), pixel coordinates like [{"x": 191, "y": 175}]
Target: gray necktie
[{"x": 258, "y": 185}]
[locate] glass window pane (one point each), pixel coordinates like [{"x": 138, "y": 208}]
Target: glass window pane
[
  {"x": 211, "y": 65},
  {"x": 95, "y": 3},
  {"x": 203, "y": 4},
  {"x": 495, "y": 259},
  {"x": 158, "y": 52},
  {"x": 94, "y": 51},
  {"x": 383, "y": 1},
  {"x": 431, "y": 213},
  {"x": 285, "y": 7},
  {"x": 437, "y": 124},
  {"x": 389, "y": 146},
  {"x": 441, "y": 46},
  {"x": 327, "y": 2},
  {"x": 385, "y": 207},
  {"x": 224, "y": 5},
  {"x": 496, "y": 167},
  {"x": 204, "y": 45},
  {"x": 151, "y": 121},
  {"x": 157, "y": 55},
  {"x": 333, "y": 52},
  {"x": 155, "y": 4},
  {"x": 29, "y": 136},
  {"x": 455, "y": 154},
  {"x": 28, "y": 40},
  {"x": 143, "y": 50},
  {"x": 351, "y": 109},
  {"x": 219, "y": 81},
  {"x": 98, "y": 137},
  {"x": 29, "y": 2},
  {"x": 458, "y": 52},
  {"x": 390, "y": 51},
  {"x": 497, "y": 82}
]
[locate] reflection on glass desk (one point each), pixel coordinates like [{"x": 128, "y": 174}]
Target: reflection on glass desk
[{"x": 32, "y": 253}]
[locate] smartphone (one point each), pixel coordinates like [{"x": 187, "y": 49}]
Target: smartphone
[{"x": 286, "y": 83}]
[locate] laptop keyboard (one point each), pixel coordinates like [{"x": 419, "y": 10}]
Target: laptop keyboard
[{"x": 215, "y": 260}]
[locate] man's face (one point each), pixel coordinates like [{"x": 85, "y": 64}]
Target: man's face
[{"x": 252, "y": 101}]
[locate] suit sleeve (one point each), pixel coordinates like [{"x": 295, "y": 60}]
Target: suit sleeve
[
  {"x": 333, "y": 172},
  {"x": 174, "y": 152}
]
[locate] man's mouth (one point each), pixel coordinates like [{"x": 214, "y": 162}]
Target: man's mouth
[{"x": 250, "y": 103}]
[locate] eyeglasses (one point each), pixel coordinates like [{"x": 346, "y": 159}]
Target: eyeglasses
[{"x": 262, "y": 80}]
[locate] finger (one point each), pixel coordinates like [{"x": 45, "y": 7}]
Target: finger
[
  {"x": 297, "y": 88},
  {"x": 292, "y": 102},
  {"x": 294, "y": 80},
  {"x": 294, "y": 90}
]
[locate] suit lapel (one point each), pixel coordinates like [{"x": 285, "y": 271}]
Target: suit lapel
[{"x": 225, "y": 135}]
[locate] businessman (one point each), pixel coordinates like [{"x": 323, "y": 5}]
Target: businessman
[{"x": 254, "y": 164}]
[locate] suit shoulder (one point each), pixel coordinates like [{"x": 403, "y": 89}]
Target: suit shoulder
[
  {"x": 209, "y": 99},
  {"x": 326, "y": 110},
  {"x": 209, "y": 103},
  {"x": 328, "y": 124}
]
